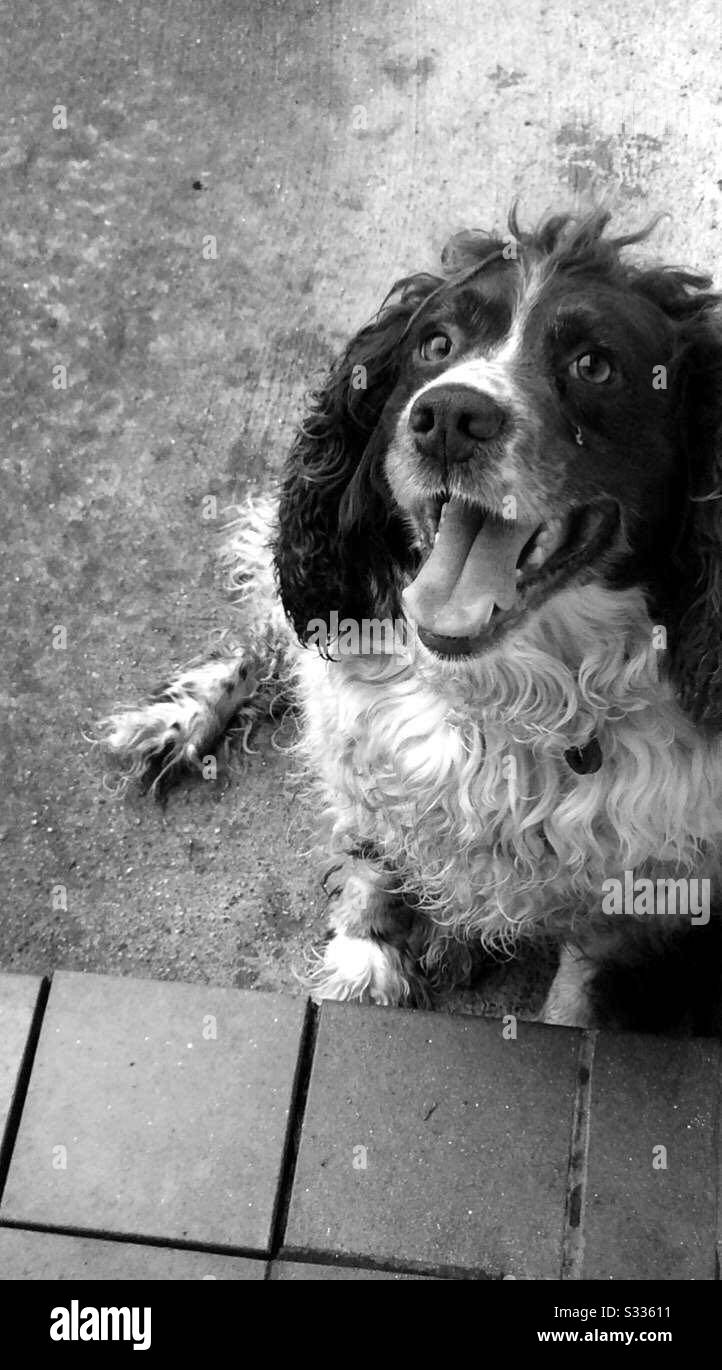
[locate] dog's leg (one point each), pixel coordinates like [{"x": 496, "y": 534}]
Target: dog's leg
[
  {"x": 654, "y": 976},
  {"x": 375, "y": 941},
  {"x": 183, "y": 720},
  {"x": 568, "y": 1002}
]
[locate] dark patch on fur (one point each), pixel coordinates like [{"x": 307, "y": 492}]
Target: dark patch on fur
[
  {"x": 673, "y": 987},
  {"x": 585, "y": 760}
]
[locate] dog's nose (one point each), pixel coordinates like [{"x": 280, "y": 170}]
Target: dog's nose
[{"x": 451, "y": 420}]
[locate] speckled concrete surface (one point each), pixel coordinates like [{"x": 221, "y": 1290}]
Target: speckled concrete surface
[{"x": 325, "y": 147}]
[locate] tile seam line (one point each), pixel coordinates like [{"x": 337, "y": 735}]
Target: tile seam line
[
  {"x": 402, "y": 1265},
  {"x": 22, "y": 1083},
  {"x": 294, "y": 1129},
  {"x": 116, "y": 1237},
  {"x": 573, "y": 1237},
  {"x": 199, "y": 1247}
]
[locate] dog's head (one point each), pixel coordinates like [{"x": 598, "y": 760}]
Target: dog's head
[{"x": 541, "y": 415}]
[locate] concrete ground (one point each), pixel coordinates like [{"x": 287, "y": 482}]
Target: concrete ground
[
  {"x": 322, "y": 149},
  {"x": 230, "y": 1123}
]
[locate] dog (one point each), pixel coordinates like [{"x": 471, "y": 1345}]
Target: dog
[{"x": 492, "y": 578}]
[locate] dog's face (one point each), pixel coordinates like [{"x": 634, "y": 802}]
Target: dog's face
[
  {"x": 531, "y": 443},
  {"x": 541, "y": 416}
]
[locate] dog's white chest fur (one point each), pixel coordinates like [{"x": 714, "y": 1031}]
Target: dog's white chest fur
[{"x": 462, "y": 786}]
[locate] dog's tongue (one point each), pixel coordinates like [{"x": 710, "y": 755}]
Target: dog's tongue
[{"x": 470, "y": 569}]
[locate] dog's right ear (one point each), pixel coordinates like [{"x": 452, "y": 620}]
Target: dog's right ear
[
  {"x": 338, "y": 549},
  {"x": 696, "y": 628}
]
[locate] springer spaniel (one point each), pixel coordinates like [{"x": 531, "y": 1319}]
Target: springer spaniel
[{"x": 498, "y": 543}]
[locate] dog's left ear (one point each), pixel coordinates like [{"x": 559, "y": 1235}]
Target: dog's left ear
[
  {"x": 695, "y": 631},
  {"x": 338, "y": 539}
]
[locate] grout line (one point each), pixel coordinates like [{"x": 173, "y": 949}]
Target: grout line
[
  {"x": 9, "y": 1137},
  {"x": 296, "y": 1115},
  {"x": 119, "y": 1238},
  {"x": 386, "y": 1265},
  {"x": 577, "y": 1174},
  {"x": 231, "y": 1252}
]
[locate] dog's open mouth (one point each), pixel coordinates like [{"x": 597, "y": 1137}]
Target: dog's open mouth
[{"x": 483, "y": 572}]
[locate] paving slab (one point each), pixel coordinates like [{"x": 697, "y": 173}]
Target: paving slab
[
  {"x": 309, "y": 1270},
  {"x": 435, "y": 1144},
  {"x": 652, "y": 1167},
  {"x": 18, "y": 1000},
  {"x": 157, "y": 1110},
  {"x": 26, "y": 1255}
]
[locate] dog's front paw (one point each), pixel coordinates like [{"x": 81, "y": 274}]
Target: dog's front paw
[
  {"x": 182, "y": 721},
  {"x": 568, "y": 1002},
  {"x": 365, "y": 970}
]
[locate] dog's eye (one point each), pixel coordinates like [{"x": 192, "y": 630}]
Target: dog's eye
[
  {"x": 435, "y": 347},
  {"x": 592, "y": 367}
]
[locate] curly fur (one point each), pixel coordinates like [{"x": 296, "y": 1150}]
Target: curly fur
[
  {"x": 325, "y": 554},
  {"x": 464, "y": 787}
]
